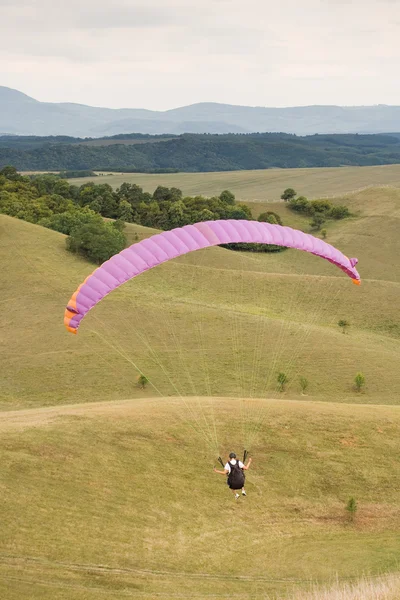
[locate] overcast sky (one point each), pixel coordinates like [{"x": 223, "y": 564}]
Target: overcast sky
[{"x": 161, "y": 54}]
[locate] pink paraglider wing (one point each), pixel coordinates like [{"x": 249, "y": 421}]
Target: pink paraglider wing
[{"x": 164, "y": 246}]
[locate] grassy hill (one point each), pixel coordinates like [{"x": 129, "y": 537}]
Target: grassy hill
[
  {"x": 253, "y": 315},
  {"x": 264, "y": 185},
  {"x": 118, "y": 499},
  {"x": 107, "y": 490}
]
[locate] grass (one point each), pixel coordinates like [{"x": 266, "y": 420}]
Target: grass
[
  {"x": 102, "y": 500},
  {"x": 213, "y": 322},
  {"x": 377, "y": 588},
  {"x": 263, "y": 185},
  {"x": 107, "y": 490}
]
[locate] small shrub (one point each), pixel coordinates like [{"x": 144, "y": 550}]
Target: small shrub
[
  {"x": 344, "y": 325},
  {"x": 339, "y": 212},
  {"x": 324, "y": 233},
  {"x": 270, "y": 217},
  {"x": 359, "y": 381},
  {"x": 351, "y": 508},
  {"x": 142, "y": 381},
  {"x": 303, "y": 385},
  {"x": 300, "y": 204},
  {"x": 282, "y": 381},
  {"x": 321, "y": 206}
]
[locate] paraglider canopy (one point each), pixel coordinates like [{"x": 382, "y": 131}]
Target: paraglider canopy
[{"x": 164, "y": 246}]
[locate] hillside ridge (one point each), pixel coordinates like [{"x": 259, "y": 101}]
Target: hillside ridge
[{"x": 20, "y": 114}]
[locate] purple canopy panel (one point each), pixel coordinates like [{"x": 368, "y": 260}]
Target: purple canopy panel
[{"x": 153, "y": 251}]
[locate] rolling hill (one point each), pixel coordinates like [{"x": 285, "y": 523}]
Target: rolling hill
[
  {"x": 217, "y": 289},
  {"x": 119, "y": 500},
  {"x": 107, "y": 489},
  {"x": 201, "y": 153}
]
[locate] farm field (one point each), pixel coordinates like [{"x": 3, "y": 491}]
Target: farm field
[
  {"x": 266, "y": 185},
  {"x": 107, "y": 490}
]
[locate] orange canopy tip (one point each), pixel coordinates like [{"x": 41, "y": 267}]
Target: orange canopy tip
[
  {"x": 72, "y": 330},
  {"x": 356, "y": 281}
]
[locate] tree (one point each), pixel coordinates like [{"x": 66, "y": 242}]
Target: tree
[
  {"x": 205, "y": 215},
  {"x": 87, "y": 193},
  {"x": 12, "y": 204},
  {"x": 300, "y": 204},
  {"x": 150, "y": 214},
  {"x": 125, "y": 211},
  {"x": 67, "y": 221},
  {"x": 282, "y": 381},
  {"x": 288, "y": 194},
  {"x": 35, "y": 210},
  {"x": 359, "y": 381},
  {"x": 317, "y": 221},
  {"x": 351, "y": 508},
  {"x": 58, "y": 204},
  {"x": 324, "y": 233},
  {"x": 95, "y": 206},
  {"x": 339, "y": 212},
  {"x": 76, "y": 174},
  {"x": 132, "y": 193},
  {"x": 61, "y": 187},
  {"x": 227, "y": 197},
  {"x": 142, "y": 381},
  {"x": 176, "y": 214},
  {"x": 109, "y": 206},
  {"x": 303, "y": 385},
  {"x": 343, "y": 324},
  {"x": 239, "y": 211},
  {"x": 10, "y": 173},
  {"x": 99, "y": 195},
  {"x": 270, "y": 217},
  {"x": 321, "y": 206},
  {"x": 164, "y": 194},
  {"x": 96, "y": 240},
  {"x": 46, "y": 183},
  {"x": 119, "y": 224}
]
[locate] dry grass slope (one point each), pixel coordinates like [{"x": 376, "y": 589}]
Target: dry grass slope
[
  {"x": 379, "y": 588},
  {"x": 101, "y": 500}
]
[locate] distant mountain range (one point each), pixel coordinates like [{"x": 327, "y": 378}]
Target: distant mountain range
[{"x": 22, "y": 115}]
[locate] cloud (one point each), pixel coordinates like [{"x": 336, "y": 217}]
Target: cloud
[{"x": 162, "y": 53}]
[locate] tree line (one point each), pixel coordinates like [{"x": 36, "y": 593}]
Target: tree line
[
  {"x": 201, "y": 152},
  {"x": 319, "y": 210},
  {"x": 94, "y": 215}
]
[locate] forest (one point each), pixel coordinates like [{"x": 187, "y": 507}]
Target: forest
[{"x": 198, "y": 153}]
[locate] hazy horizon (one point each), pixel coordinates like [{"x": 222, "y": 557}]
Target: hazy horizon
[{"x": 212, "y": 102}]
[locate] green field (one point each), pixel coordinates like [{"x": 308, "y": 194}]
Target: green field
[
  {"x": 108, "y": 491},
  {"x": 266, "y": 185}
]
